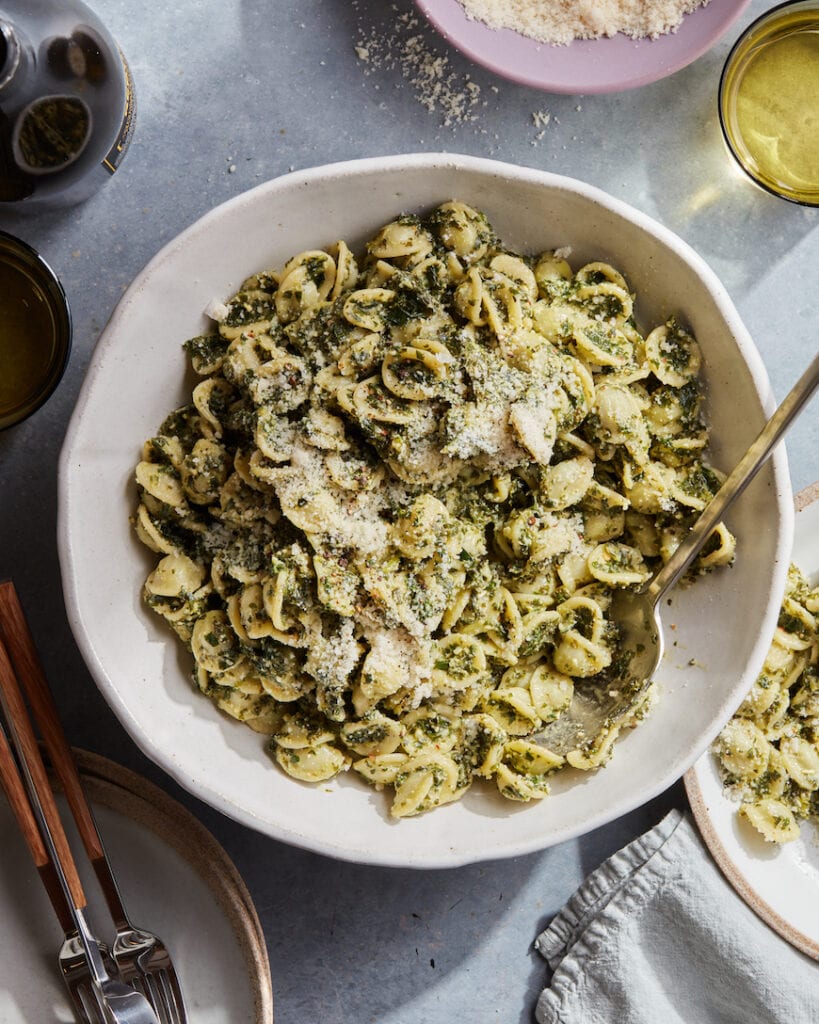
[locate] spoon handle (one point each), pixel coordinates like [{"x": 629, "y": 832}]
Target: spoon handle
[{"x": 736, "y": 482}]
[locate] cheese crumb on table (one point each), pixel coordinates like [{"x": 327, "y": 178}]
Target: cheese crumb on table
[{"x": 436, "y": 86}]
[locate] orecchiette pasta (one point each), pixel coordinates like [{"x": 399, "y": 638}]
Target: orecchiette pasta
[
  {"x": 769, "y": 752},
  {"x": 390, "y": 521}
]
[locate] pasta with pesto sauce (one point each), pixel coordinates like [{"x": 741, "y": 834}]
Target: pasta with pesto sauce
[
  {"x": 392, "y": 516},
  {"x": 768, "y": 754}
]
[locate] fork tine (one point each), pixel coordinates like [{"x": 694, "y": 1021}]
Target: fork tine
[
  {"x": 144, "y": 962},
  {"x": 77, "y": 978},
  {"x": 170, "y": 983},
  {"x": 81, "y": 1001},
  {"x": 86, "y": 1003},
  {"x": 145, "y": 983},
  {"x": 155, "y": 997},
  {"x": 179, "y": 1002}
]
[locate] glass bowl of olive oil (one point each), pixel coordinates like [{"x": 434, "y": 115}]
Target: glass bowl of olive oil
[
  {"x": 35, "y": 330},
  {"x": 769, "y": 101}
]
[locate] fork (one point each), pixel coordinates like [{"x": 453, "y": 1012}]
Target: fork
[
  {"x": 34, "y": 805},
  {"x": 141, "y": 958},
  {"x": 71, "y": 957}
]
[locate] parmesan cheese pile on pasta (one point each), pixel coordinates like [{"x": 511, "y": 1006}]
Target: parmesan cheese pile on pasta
[
  {"x": 392, "y": 516},
  {"x": 561, "y": 21}
]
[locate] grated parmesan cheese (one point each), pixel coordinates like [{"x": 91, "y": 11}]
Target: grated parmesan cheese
[
  {"x": 560, "y": 21},
  {"x": 395, "y": 654},
  {"x": 334, "y": 657},
  {"x": 347, "y": 520}
]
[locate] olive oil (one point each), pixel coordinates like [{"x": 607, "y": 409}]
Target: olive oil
[
  {"x": 769, "y": 101},
  {"x": 35, "y": 331}
]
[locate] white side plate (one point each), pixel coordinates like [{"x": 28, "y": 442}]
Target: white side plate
[{"x": 176, "y": 880}]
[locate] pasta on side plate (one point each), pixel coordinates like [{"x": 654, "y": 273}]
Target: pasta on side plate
[
  {"x": 392, "y": 516},
  {"x": 768, "y": 753}
]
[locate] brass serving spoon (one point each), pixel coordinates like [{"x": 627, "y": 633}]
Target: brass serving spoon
[{"x": 637, "y": 612}]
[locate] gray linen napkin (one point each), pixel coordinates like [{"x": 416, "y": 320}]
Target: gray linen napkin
[{"x": 656, "y": 935}]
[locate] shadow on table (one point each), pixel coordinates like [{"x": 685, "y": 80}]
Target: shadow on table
[
  {"x": 358, "y": 943},
  {"x": 699, "y": 191},
  {"x": 379, "y": 939}
]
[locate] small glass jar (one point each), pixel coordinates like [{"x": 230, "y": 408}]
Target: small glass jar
[
  {"x": 35, "y": 330},
  {"x": 769, "y": 101}
]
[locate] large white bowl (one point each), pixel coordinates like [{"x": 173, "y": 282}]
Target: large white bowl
[{"x": 138, "y": 374}]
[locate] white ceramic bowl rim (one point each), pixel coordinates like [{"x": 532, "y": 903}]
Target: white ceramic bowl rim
[{"x": 339, "y": 172}]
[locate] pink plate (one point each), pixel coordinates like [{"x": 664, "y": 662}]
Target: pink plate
[{"x": 588, "y": 65}]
